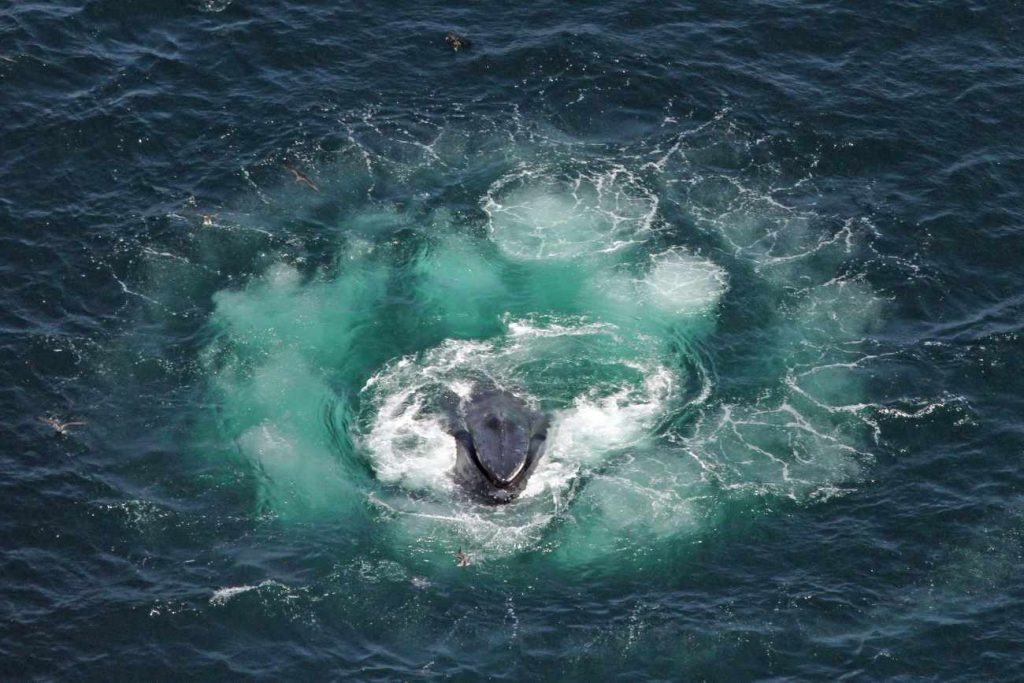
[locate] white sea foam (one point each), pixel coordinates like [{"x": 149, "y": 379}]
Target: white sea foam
[
  {"x": 407, "y": 441},
  {"x": 407, "y": 444},
  {"x": 596, "y": 426},
  {"x": 222, "y": 596},
  {"x": 680, "y": 283},
  {"x": 410, "y": 447},
  {"x": 535, "y": 215},
  {"x": 673, "y": 287}
]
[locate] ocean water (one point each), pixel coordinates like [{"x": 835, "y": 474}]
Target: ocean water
[{"x": 759, "y": 262}]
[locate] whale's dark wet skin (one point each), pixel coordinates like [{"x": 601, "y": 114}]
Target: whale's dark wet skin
[{"x": 499, "y": 440}]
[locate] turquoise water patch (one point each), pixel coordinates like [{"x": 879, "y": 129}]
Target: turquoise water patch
[{"x": 331, "y": 381}]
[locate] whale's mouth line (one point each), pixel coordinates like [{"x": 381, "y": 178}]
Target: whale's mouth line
[
  {"x": 498, "y": 440},
  {"x": 498, "y": 482}
]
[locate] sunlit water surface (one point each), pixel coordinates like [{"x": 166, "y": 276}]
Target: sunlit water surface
[{"x": 758, "y": 266}]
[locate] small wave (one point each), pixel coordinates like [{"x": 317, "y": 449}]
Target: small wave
[{"x": 222, "y": 596}]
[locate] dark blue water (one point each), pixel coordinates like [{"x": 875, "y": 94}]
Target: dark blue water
[{"x": 760, "y": 261}]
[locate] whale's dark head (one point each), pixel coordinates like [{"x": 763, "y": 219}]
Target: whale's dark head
[{"x": 499, "y": 440}]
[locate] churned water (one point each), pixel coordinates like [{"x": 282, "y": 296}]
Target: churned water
[{"x": 759, "y": 262}]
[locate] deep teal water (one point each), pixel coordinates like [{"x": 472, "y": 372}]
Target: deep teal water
[{"x": 760, "y": 261}]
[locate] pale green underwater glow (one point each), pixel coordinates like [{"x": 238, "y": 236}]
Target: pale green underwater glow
[{"x": 329, "y": 380}]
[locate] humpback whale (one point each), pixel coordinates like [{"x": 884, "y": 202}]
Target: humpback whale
[{"x": 498, "y": 439}]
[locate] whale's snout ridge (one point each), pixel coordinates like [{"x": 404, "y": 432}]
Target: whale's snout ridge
[{"x": 499, "y": 439}]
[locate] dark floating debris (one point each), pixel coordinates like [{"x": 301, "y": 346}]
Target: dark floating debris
[
  {"x": 300, "y": 177},
  {"x": 457, "y": 42}
]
